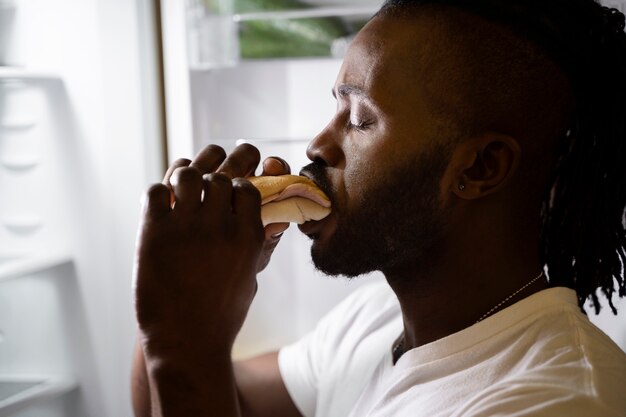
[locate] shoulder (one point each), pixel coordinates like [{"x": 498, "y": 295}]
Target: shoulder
[
  {"x": 366, "y": 308},
  {"x": 371, "y": 312},
  {"x": 326, "y": 369},
  {"x": 368, "y": 298},
  {"x": 567, "y": 367},
  {"x": 369, "y": 308},
  {"x": 521, "y": 398},
  {"x": 565, "y": 338}
]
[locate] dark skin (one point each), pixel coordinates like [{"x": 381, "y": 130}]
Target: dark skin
[
  {"x": 260, "y": 371},
  {"x": 197, "y": 263}
]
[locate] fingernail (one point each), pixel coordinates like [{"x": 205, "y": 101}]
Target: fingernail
[
  {"x": 277, "y": 235},
  {"x": 280, "y": 161}
]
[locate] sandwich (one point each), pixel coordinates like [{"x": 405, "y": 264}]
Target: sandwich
[{"x": 290, "y": 198}]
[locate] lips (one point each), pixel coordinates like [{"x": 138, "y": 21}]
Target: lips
[
  {"x": 313, "y": 228},
  {"x": 315, "y": 173}
]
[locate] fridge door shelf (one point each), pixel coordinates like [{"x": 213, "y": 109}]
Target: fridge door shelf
[
  {"x": 316, "y": 12},
  {"x": 23, "y": 225},
  {"x": 17, "y": 392},
  {"x": 20, "y": 163},
  {"x": 17, "y": 74},
  {"x": 17, "y": 123},
  {"x": 14, "y": 266},
  {"x": 214, "y": 40}
]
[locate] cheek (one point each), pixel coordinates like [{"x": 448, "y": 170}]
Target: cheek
[
  {"x": 371, "y": 159},
  {"x": 362, "y": 174}
]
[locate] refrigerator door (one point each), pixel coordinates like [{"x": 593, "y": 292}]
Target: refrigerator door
[{"x": 79, "y": 142}]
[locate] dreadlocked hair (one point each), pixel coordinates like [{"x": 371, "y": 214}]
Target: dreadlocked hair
[{"x": 583, "y": 237}]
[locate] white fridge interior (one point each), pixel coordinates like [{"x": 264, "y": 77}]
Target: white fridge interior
[{"x": 79, "y": 142}]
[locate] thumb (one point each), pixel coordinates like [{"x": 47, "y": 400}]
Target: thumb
[{"x": 275, "y": 166}]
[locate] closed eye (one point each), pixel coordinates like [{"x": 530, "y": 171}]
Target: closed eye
[{"x": 360, "y": 126}]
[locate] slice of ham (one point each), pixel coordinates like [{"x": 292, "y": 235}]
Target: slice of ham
[
  {"x": 290, "y": 198},
  {"x": 297, "y": 190}
]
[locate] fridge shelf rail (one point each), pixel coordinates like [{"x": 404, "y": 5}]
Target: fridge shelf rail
[
  {"x": 18, "y": 266},
  {"x": 317, "y": 12},
  {"x": 20, "y": 163},
  {"x": 18, "y": 392},
  {"x": 26, "y": 75}
]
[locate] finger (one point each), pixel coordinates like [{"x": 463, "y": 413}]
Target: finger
[
  {"x": 209, "y": 159},
  {"x": 179, "y": 163},
  {"x": 182, "y": 162},
  {"x": 241, "y": 162},
  {"x": 156, "y": 201},
  {"x": 187, "y": 185},
  {"x": 247, "y": 202},
  {"x": 275, "y": 166},
  {"x": 218, "y": 190},
  {"x": 275, "y": 230}
]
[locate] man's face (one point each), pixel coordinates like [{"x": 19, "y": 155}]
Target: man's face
[{"x": 380, "y": 159}]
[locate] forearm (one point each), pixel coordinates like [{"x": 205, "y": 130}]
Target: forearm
[
  {"x": 198, "y": 387},
  {"x": 140, "y": 386}
]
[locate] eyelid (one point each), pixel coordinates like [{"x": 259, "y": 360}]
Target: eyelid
[
  {"x": 361, "y": 125},
  {"x": 362, "y": 116}
]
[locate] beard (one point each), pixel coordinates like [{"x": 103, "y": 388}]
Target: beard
[{"x": 397, "y": 224}]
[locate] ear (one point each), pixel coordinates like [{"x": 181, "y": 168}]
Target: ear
[{"x": 482, "y": 165}]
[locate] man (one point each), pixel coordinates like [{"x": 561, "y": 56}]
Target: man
[{"x": 477, "y": 159}]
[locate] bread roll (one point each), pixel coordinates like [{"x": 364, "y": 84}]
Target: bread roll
[{"x": 290, "y": 198}]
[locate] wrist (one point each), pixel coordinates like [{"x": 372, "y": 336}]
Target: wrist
[
  {"x": 190, "y": 386},
  {"x": 172, "y": 350}
]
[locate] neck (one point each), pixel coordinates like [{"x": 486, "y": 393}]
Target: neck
[{"x": 441, "y": 298}]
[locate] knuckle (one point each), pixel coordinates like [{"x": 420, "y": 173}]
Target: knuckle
[
  {"x": 217, "y": 150},
  {"x": 185, "y": 175},
  {"x": 217, "y": 177},
  {"x": 248, "y": 148},
  {"x": 188, "y": 174},
  {"x": 181, "y": 162},
  {"x": 157, "y": 190},
  {"x": 245, "y": 187}
]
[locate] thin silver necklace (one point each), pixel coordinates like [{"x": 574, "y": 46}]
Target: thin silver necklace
[
  {"x": 528, "y": 284},
  {"x": 398, "y": 346}
]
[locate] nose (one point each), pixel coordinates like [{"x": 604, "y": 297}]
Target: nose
[{"x": 325, "y": 149}]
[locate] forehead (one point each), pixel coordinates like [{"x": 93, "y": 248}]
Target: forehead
[{"x": 387, "y": 60}]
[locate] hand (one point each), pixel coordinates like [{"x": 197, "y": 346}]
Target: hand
[
  {"x": 196, "y": 262},
  {"x": 210, "y": 159}
]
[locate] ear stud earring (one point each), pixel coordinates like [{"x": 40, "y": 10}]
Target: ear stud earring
[{"x": 461, "y": 186}]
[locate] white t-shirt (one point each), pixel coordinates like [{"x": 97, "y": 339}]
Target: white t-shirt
[{"x": 538, "y": 357}]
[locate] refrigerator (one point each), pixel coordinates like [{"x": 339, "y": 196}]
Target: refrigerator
[
  {"x": 96, "y": 98},
  {"x": 80, "y": 139}
]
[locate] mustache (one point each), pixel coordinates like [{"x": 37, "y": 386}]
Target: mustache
[{"x": 317, "y": 173}]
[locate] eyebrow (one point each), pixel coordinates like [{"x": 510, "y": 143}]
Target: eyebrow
[{"x": 346, "y": 90}]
